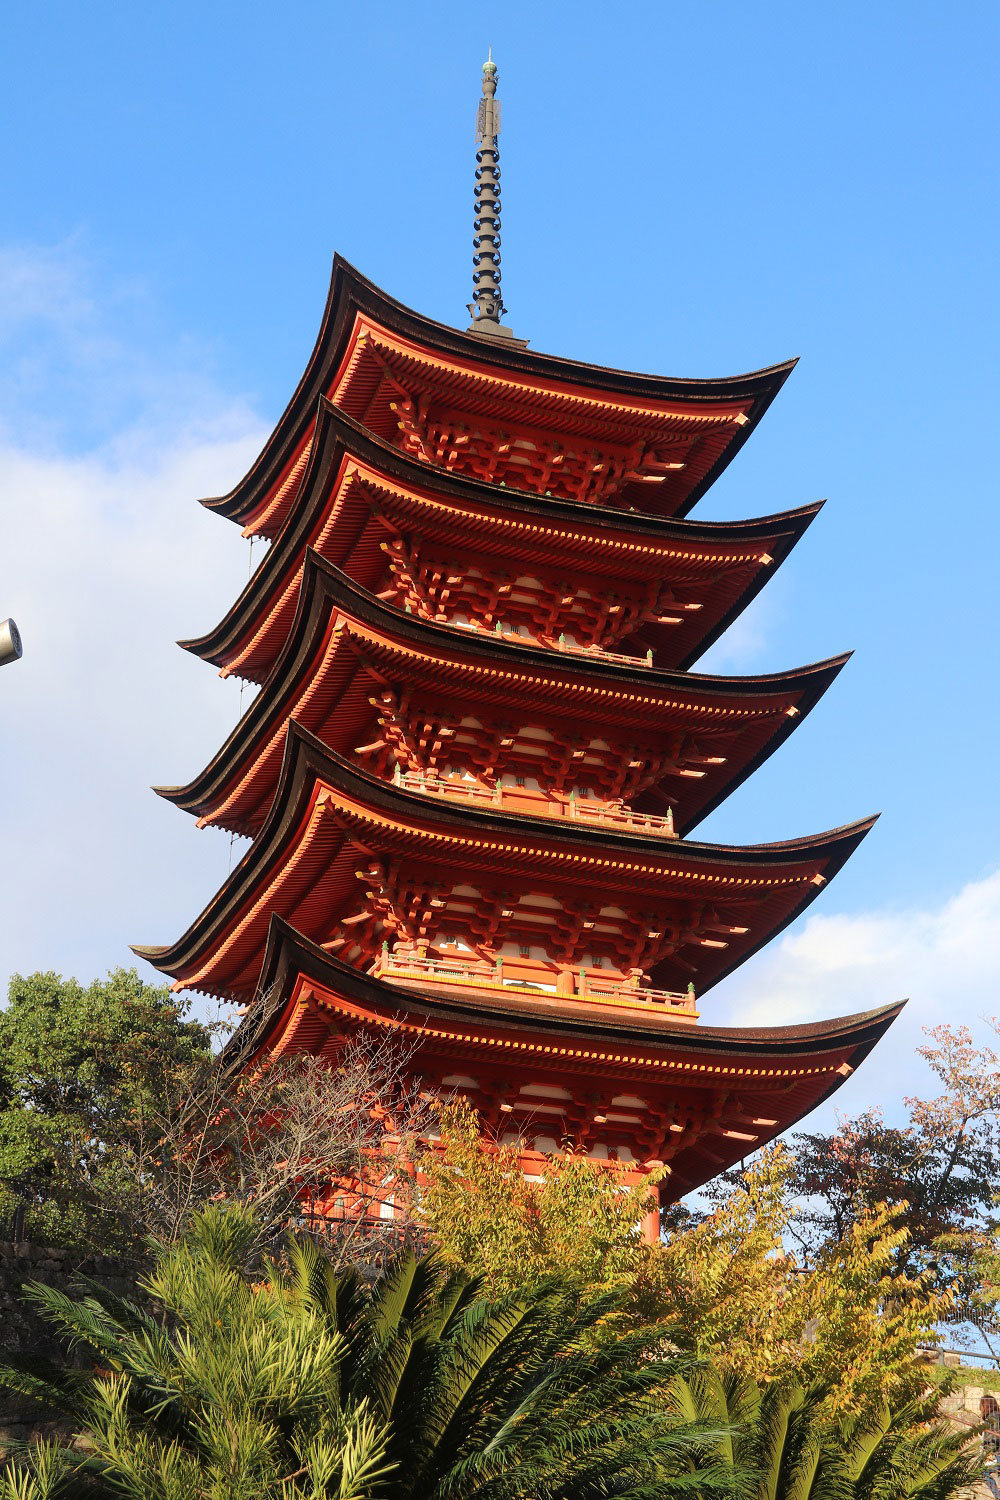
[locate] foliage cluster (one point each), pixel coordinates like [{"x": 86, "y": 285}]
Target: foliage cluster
[
  {"x": 303, "y": 1382},
  {"x": 724, "y": 1287},
  {"x": 767, "y": 1347},
  {"x": 82, "y": 1069},
  {"x": 488, "y": 1218}
]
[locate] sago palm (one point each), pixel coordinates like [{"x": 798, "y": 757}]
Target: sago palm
[
  {"x": 780, "y": 1433},
  {"x": 313, "y": 1384}
]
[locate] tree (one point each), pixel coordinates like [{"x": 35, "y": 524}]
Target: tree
[
  {"x": 118, "y": 1121},
  {"x": 782, "y": 1435},
  {"x": 329, "y": 1143},
  {"x": 307, "y": 1383},
  {"x": 941, "y": 1165},
  {"x": 854, "y": 1322},
  {"x": 724, "y": 1284},
  {"x": 579, "y": 1221},
  {"x": 80, "y": 1067}
]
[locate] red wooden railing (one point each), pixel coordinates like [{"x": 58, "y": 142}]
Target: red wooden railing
[
  {"x": 514, "y": 799},
  {"x": 590, "y": 987}
]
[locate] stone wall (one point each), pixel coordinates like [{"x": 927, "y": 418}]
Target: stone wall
[
  {"x": 22, "y": 1331},
  {"x": 967, "y": 1407}
]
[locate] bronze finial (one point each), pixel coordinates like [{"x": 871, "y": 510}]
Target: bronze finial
[{"x": 487, "y": 306}]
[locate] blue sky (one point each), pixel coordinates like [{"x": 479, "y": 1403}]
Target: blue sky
[{"x": 695, "y": 190}]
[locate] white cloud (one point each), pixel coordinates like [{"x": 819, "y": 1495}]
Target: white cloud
[
  {"x": 106, "y": 559},
  {"x": 945, "y": 960}
]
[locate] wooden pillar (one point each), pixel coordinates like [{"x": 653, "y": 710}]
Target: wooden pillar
[{"x": 650, "y": 1222}]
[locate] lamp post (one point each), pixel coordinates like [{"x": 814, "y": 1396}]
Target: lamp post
[{"x": 10, "y": 642}]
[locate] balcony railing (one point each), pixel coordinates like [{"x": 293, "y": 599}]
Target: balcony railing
[
  {"x": 517, "y": 799},
  {"x": 573, "y": 648},
  {"x": 406, "y": 968}
]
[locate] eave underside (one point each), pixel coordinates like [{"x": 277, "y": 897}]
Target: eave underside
[
  {"x": 347, "y": 651},
  {"x": 698, "y": 1099},
  {"x": 358, "y": 311},
  {"x": 305, "y": 862},
  {"x": 355, "y": 492}
]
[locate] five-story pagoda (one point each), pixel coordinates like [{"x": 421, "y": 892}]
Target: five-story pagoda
[{"x": 478, "y": 750}]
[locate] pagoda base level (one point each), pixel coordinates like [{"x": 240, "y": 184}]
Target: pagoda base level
[
  {"x": 640, "y": 1091},
  {"x": 342, "y": 1206}
]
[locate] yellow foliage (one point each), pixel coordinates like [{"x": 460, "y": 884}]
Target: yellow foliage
[
  {"x": 578, "y": 1222},
  {"x": 852, "y": 1322},
  {"x": 726, "y": 1286},
  {"x": 726, "y": 1289},
  {"x": 867, "y": 1319}
]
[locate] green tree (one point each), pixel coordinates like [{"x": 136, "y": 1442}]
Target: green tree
[
  {"x": 309, "y": 1383},
  {"x": 81, "y": 1067}
]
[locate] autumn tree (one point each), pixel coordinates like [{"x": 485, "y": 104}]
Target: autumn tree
[
  {"x": 724, "y": 1285},
  {"x": 323, "y": 1144},
  {"x": 940, "y": 1164}
]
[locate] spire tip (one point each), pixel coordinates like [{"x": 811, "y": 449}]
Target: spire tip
[{"x": 486, "y": 306}]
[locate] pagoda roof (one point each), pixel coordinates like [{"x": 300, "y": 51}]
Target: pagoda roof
[
  {"x": 339, "y": 629},
  {"x": 761, "y": 1079},
  {"x": 370, "y": 347},
  {"x": 353, "y": 483},
  {"x": 304, "y": 866}
]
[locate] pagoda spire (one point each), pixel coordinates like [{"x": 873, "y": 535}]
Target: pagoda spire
[{"x": 487, "y": 306}]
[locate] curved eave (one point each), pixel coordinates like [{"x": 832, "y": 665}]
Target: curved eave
[
  {"x": 327, "y": 593},
  {"x": 350, "y": 294},
  {"x": 308, "y": 763},
  {"x": 289, "y": 955},
  {"x": 340, "y": 438},
  {"x": 670, "y": 1064}
]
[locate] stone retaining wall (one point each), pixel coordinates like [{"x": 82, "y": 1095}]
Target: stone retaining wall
[{"x": 22, "y": 1331}]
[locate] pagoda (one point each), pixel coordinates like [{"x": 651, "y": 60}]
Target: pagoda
[{"x": 478, "y": 751}]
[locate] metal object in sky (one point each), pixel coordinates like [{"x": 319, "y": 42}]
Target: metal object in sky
[{"x": 10, "y": 642}]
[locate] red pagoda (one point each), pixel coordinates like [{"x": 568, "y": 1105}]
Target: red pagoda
[{"x": 478, "y": 750}]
